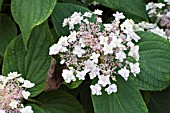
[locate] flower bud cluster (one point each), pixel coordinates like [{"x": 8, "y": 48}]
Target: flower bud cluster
[
  {"x": 12, "y": 92},
  {"x": 162, "y": 25},
  {"x": 100, "y": 51}
]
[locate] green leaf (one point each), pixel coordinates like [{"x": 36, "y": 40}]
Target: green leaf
[
  {"x": 34, "y": 63},
  {"x": 73, "y": 2},
  {"x": 58, "y": 102},
  {"x": 160, "y": 102},
  {"x": 154, "y": 62},
  {"x": 85, "y": 98},
  {"x": 55, "y": 35},
  {"x": 36, "y": 108},
  {"x": 126, "y": 100},
  {"x": 74, "y": 84},
  {"x": 61, "y": 11},
  {"x": 8, "y": 31},
  {"x": 1, "y": 4},
  {"x": 133, "y": 9},
  {"x": 30, "y": 13}
]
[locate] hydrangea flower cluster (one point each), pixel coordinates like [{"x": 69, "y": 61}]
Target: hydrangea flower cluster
[
  {"x": 100, "y": 51},
  {"x": 162, "y": 25},
  {"x": 12, "y": 92}
]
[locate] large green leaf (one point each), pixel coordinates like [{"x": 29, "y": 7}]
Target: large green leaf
[
  {"x": 34, "y": 63},
  {"x": 154, "y": 62},
  {"x": 133, "y": 9},
  {"x": 57, "y": 102},
  {"x": 29, "y": 13},
  {"x": 36, "y": 108},
  {"x": 126, "y": 100},
  {"x": 159, "y": 102},
  {"x": 61, "y": 11},
  {"x": 8, "y": 31}
]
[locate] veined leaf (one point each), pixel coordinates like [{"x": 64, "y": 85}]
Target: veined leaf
[
  {"x": 133, "y": 9},
  {"x": 8, "y": 31},
  {"x": 61, "y": 11},
  {"x": 30, "y": 13},
  {"x": 36, "y": 108},
  {"x": 154, "y": 62},
  {"x": 126, "y": 100},
  {"x": 34, "y": 63},
  {"x": 58, "y": 102}
]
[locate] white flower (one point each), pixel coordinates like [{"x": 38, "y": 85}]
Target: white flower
[
  {"x": 25, "y": 94},
  {"x": 96, "y": 89},
  {"x": 167, "y": 1},
  {"x": 20, "y": 79},
  {"x": 82, "y": 42},
  {"x": 108, "y": 49},
  {"x": 159, "y": 31},
  {"x": 118, "y": 16},
  {"x": 108, "y": 27},
  {"x": 127, "y": 24},
  {"x": 124, "y": 73},
  {"x": 104, "y": 80},
  {"x": 86, "y": 21},
  {"x": 13, "y": 104},
  {"x": 71, "y": 24},
  {"x": 116, "y": 42},
  {"x": 149, "y": 6},
  {"x": 2, "y": 78},
  {"x": 168, "y": 14},
  {"x": 134, "y": 52},
  {"x": 89, "y": 65},
  {"x": 94, "y": 72},
  {"x": 146, "y": 25},
  {"x": 81, "y": 75},
  {"x": 88, "y": 14},
  {"x": 103, "y": 39},
  {"x": 59, "y": 47},
  {"x": 99, "y": 20},
  {"x": 13, "y": 75},
  {"x": 76, "y": 17},
  {"x": 72, "y": 37},
  {"x": 95, "y": 57},
  {"x": 120, "y": 56},
  {"x": 68, "y": 76},
  {"x": 130, "y": 44},
  {"x": 122, "y": 47},
  {"x": 98, "y": 12},
  {"x": 66, "y": 21},
  {"x": 134, "y": 36},
  {"x": 62, "y": 61},
  {"x": 28, "y": 84},
  {"x": 27, "y": 109},
  {"x": 54, "y": 49},
  {"x": 63, "y": 41},
  {"x": 2, "y": 111},
  {"x": 112, "y": 88},
  {"x": 135, "y": 69},
  {"x": 78, "y": 51},
  {"x": 1, "y": 87},
  {"x": 159, "y": 5}
]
